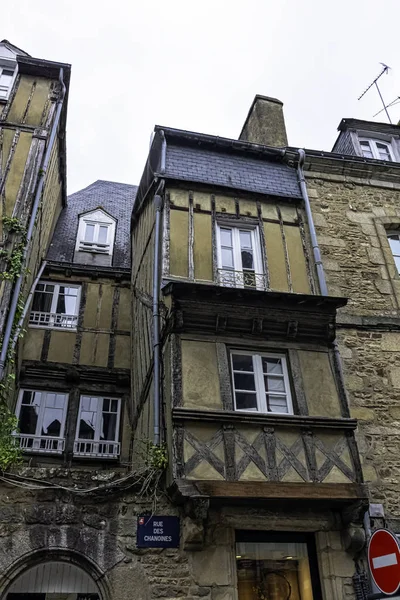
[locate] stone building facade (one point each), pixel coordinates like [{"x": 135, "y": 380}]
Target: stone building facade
[{"x": 218, "y": 348}]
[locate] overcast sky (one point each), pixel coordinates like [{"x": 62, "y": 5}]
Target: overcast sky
[{"x": 197, "y": 66}]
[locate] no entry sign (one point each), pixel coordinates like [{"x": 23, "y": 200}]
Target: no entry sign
[{"x": 384, "y": 561}]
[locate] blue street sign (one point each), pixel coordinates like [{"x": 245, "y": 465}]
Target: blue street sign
[{"x": 158, "y": 532}]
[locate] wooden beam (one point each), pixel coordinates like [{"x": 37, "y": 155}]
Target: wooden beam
[
  {"x": 267, "y": 420},
  {"x": 334, "y": 492}
]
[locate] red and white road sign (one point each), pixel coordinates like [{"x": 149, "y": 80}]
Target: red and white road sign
[{"x": 384, "y": 561}]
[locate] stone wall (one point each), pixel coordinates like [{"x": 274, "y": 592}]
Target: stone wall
[
  {"x": 101, "y": 530},
  {"x": 352, "y": 219}
]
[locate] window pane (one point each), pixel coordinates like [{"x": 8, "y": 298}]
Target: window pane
[
  {"x": 273, "y": 571},
  {"x": 242, "y": 362},
  {"x": 244, "y": 382},
  {"x": 394, "y": 243},
  {"x": 227, "y": 258},
  {"x": 397, "y": 261},
  {"x": 6, "y": 78},
  {"x": 89, "y": 233},
  {"x": 247, "y": 259},
  {"x": 245, "y": 239},
  {"x": 226, "y": 237},
  {"x": 109, "y": 426},
  {"x": 88, "y": 418},
  {"x": 274, "y": 384},
  {"x": 271, "y": 365},
  {"x": 53, "y": 414},
  {"x": 67, "y": 301},
  {"x": 246, "y": 401},
  {"x": 42, "y": 300},
  {"x": 277, "y": 403},
  {"x": 29, "y": 412},
  {"x": 383, "y": 152},
  {"x": 366, "y": 150},
  {"x": 103, "y": 233}
]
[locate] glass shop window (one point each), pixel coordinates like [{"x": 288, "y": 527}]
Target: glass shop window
[{"x": 272, "y": 566}]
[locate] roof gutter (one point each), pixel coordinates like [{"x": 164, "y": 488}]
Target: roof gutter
[{"x": 31, "y": 226}]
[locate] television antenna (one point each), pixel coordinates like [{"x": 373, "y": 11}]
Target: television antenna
[{"x": 375, "y": 82}]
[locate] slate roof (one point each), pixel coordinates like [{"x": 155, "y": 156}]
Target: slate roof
[
  {"x": 116, "y": 199},
  {"x": 234, "y": 171}
]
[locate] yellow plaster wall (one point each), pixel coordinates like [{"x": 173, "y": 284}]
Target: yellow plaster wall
[
  {"x": 36, "y": 109},
  {"x": 35, "y": 113},
  {"x": 200, "y": 377},
  {"x": 122, "y": 359},
  {"x": 319, "y": 384},
  {"x": 275, "y": 257},
  {"x": 105, "y": 305},
  {"x": 94, "y": 349},
  {"x": 32, "y": 344},
  {"x": 297, "y": 261},
  {"x": 179, "y": 240},
  {"x": 124, "y": 310},
  {"x": 61, "y": 348},
  {"x": 202, "y": 247},
  {"x": 17, "y": 170},
  {"x": 92, "y": 299},
  {"x": 280, "y": 239}
]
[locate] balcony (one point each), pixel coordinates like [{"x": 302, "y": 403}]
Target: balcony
[
  {"x": 241, "y": 279},
  {"x": 44, "y": 444},
  {"x": 56, "y": 320},
  {"x": 95, "y": 449}
]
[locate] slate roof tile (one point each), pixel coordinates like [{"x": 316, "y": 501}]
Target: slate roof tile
[
  {"x": 116, "y": 199},
  {"x": 234, "y": 171}
]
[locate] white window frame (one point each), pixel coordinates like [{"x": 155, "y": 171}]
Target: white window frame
[
  {"x": 397, "y": 234},
  {"x": 55, "y": 445},
  {"x": 238, "y": 278},
  {"x": 98, "y": 448},
  {"x": 98, "y": 218},
  {"x": 6, "y": 66},
  {"x": 52, "y": 319},
  {"x": 373, "y": 146},
  {"x": 262, "y": 406}
]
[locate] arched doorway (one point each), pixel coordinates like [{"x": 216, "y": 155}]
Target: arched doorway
[{"x": 54, "y": 580}]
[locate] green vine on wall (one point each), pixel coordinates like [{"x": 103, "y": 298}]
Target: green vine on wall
[
  {"x": 10, "y": 452},
  {"x": 13, "y": 259}
]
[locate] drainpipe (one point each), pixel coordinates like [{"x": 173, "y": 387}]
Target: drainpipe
[
  {"x": 27, "y": 304},
  {"x": 158, "y": 205},
  {"x": 320, "y": 273},
  {"x": 35, "y": 207}
]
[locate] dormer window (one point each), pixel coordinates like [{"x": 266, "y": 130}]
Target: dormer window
[
  {"x": 96, "y": 233},
  {"x": 6, "y": 79},
  {"x": 376, "y": 149},
  {"x": 96, "y": 238}
]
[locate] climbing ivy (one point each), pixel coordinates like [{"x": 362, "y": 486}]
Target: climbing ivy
[
  {"x": 14, "y": 258},
  {"x": 10, "y": 452}
]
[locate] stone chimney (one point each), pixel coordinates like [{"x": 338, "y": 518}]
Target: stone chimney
[{"x": 265, "y": 123}]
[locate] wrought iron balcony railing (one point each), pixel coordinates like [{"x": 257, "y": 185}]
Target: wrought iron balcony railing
[
  {"x": 242, "y": 279},
  {"x": 57, "y": 320},
  {"x": 94, "y": 449},
  {"x": 40, "y": 443}
]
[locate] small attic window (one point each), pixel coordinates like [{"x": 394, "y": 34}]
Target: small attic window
[
  {"x": 376, "y": 149},
  {"x": 6, "y": 79},
  {"x": 96, "y": 233}
]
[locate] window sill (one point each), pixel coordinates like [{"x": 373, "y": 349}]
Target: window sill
[{"x": 58, "y": 328}]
